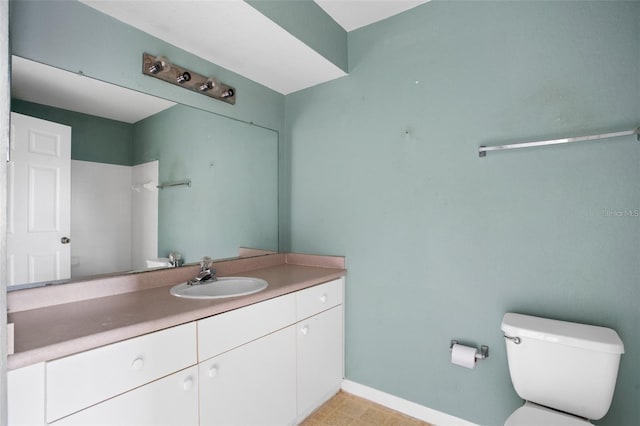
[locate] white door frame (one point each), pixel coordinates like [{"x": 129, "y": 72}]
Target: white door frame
[{"x": 5, "y": 102}]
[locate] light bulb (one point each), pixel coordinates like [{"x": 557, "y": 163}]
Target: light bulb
[
  {"x": 160, "y": 63},
  {"x": 183, "y": 78},
  {"x": 228, "y": 93},
  {"x": 211, "y": 84}
]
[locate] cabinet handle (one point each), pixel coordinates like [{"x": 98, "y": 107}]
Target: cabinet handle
[
  {"x": 137, "y": 363},
  {"x": 304, "y": 330},
  {"x": 188, "y": 383},
  {"x": 213, "y": 371},
  {"x": 323, "y": 298}
]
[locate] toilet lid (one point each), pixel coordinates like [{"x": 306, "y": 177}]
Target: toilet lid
[{"x": 535, "y": 415}]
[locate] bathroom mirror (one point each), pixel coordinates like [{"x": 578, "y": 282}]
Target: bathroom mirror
[{"x": 148, "y": 177}]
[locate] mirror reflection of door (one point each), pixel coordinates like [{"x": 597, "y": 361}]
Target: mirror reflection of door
[{"x": 39, "y": 180}]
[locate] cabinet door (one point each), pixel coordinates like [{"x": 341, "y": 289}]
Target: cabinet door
[
  {"x": 79, "y": 381},
  {"x": 254, "y": 384},
  {"x": 320, "y": 359},
  {"x": 172, "y": 400},
  {"x": 25, "y": 396}
]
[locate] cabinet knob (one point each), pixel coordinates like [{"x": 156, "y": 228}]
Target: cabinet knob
[
  {"x": 137, "y": 363},
  {"x": 323, "y": 298},
  {"x": 188, "y": 383},
  {"x": 304, "y": 330},
  {"x": 213, "y": 371}
]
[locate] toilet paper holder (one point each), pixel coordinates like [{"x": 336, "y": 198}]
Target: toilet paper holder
[{"x": 482, "y": 353}]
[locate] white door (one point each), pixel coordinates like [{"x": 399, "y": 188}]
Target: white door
[{"x": 39, "y": 199}]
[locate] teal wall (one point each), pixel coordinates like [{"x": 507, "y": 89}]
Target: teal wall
[
  {"x": 233, "y": 167},
  {"x": 440, "y": 243},
  {"x": 93, "y": 138}
]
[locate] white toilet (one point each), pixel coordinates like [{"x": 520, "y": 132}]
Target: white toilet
[{"x": 566, "y": 372}]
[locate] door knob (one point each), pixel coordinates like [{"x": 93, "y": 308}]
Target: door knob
[{"x": 65, "y": 240}]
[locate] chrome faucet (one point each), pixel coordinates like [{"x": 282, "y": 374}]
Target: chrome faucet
[
  {"x": 207, "y": 272},
  {"x": 175, "y": 259}
]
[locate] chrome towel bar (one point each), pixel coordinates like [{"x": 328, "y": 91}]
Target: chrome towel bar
[
  {"x": 482, "y": 150},
  {"x": 186, "y": 182}
]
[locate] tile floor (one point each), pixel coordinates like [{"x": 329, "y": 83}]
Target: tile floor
[{"x": 346, "y": 409}]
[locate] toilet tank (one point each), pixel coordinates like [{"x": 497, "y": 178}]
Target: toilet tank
[{"x": 563, "y": 365}]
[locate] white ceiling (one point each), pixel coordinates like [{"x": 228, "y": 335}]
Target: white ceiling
[
  {"x": 354, "y": 14},
  {"x": 234, "y": 35},
  {"x": 31, "y": 81},
  {"x": 229, "y": 33}
]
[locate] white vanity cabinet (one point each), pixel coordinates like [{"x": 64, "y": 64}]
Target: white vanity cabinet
[
  {"x": 320, "y": 359},
  {"x": 270, "y": 363},
  {"x": 283, "y": 358},
  {"x": 223, "y": 332},
  {"x": 25, "y": 396},
  {"x": 170, "y": 401},
  {"x": 319, "y": 345},
  {"x": 254, "y": 384},
  {"x": 80, "y": 381},
  {"x": 247, "y": 365}
]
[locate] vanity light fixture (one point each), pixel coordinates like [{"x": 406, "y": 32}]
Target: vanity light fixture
[{"x": 160, "y": 67}]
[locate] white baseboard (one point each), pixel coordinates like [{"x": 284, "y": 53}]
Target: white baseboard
[{"x": 402, "y": 405}]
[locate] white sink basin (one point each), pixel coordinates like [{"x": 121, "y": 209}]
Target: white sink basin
[{"x": 222, "y": 287}]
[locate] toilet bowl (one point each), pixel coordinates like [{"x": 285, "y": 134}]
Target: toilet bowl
[{"x": 566, "y": 372}]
